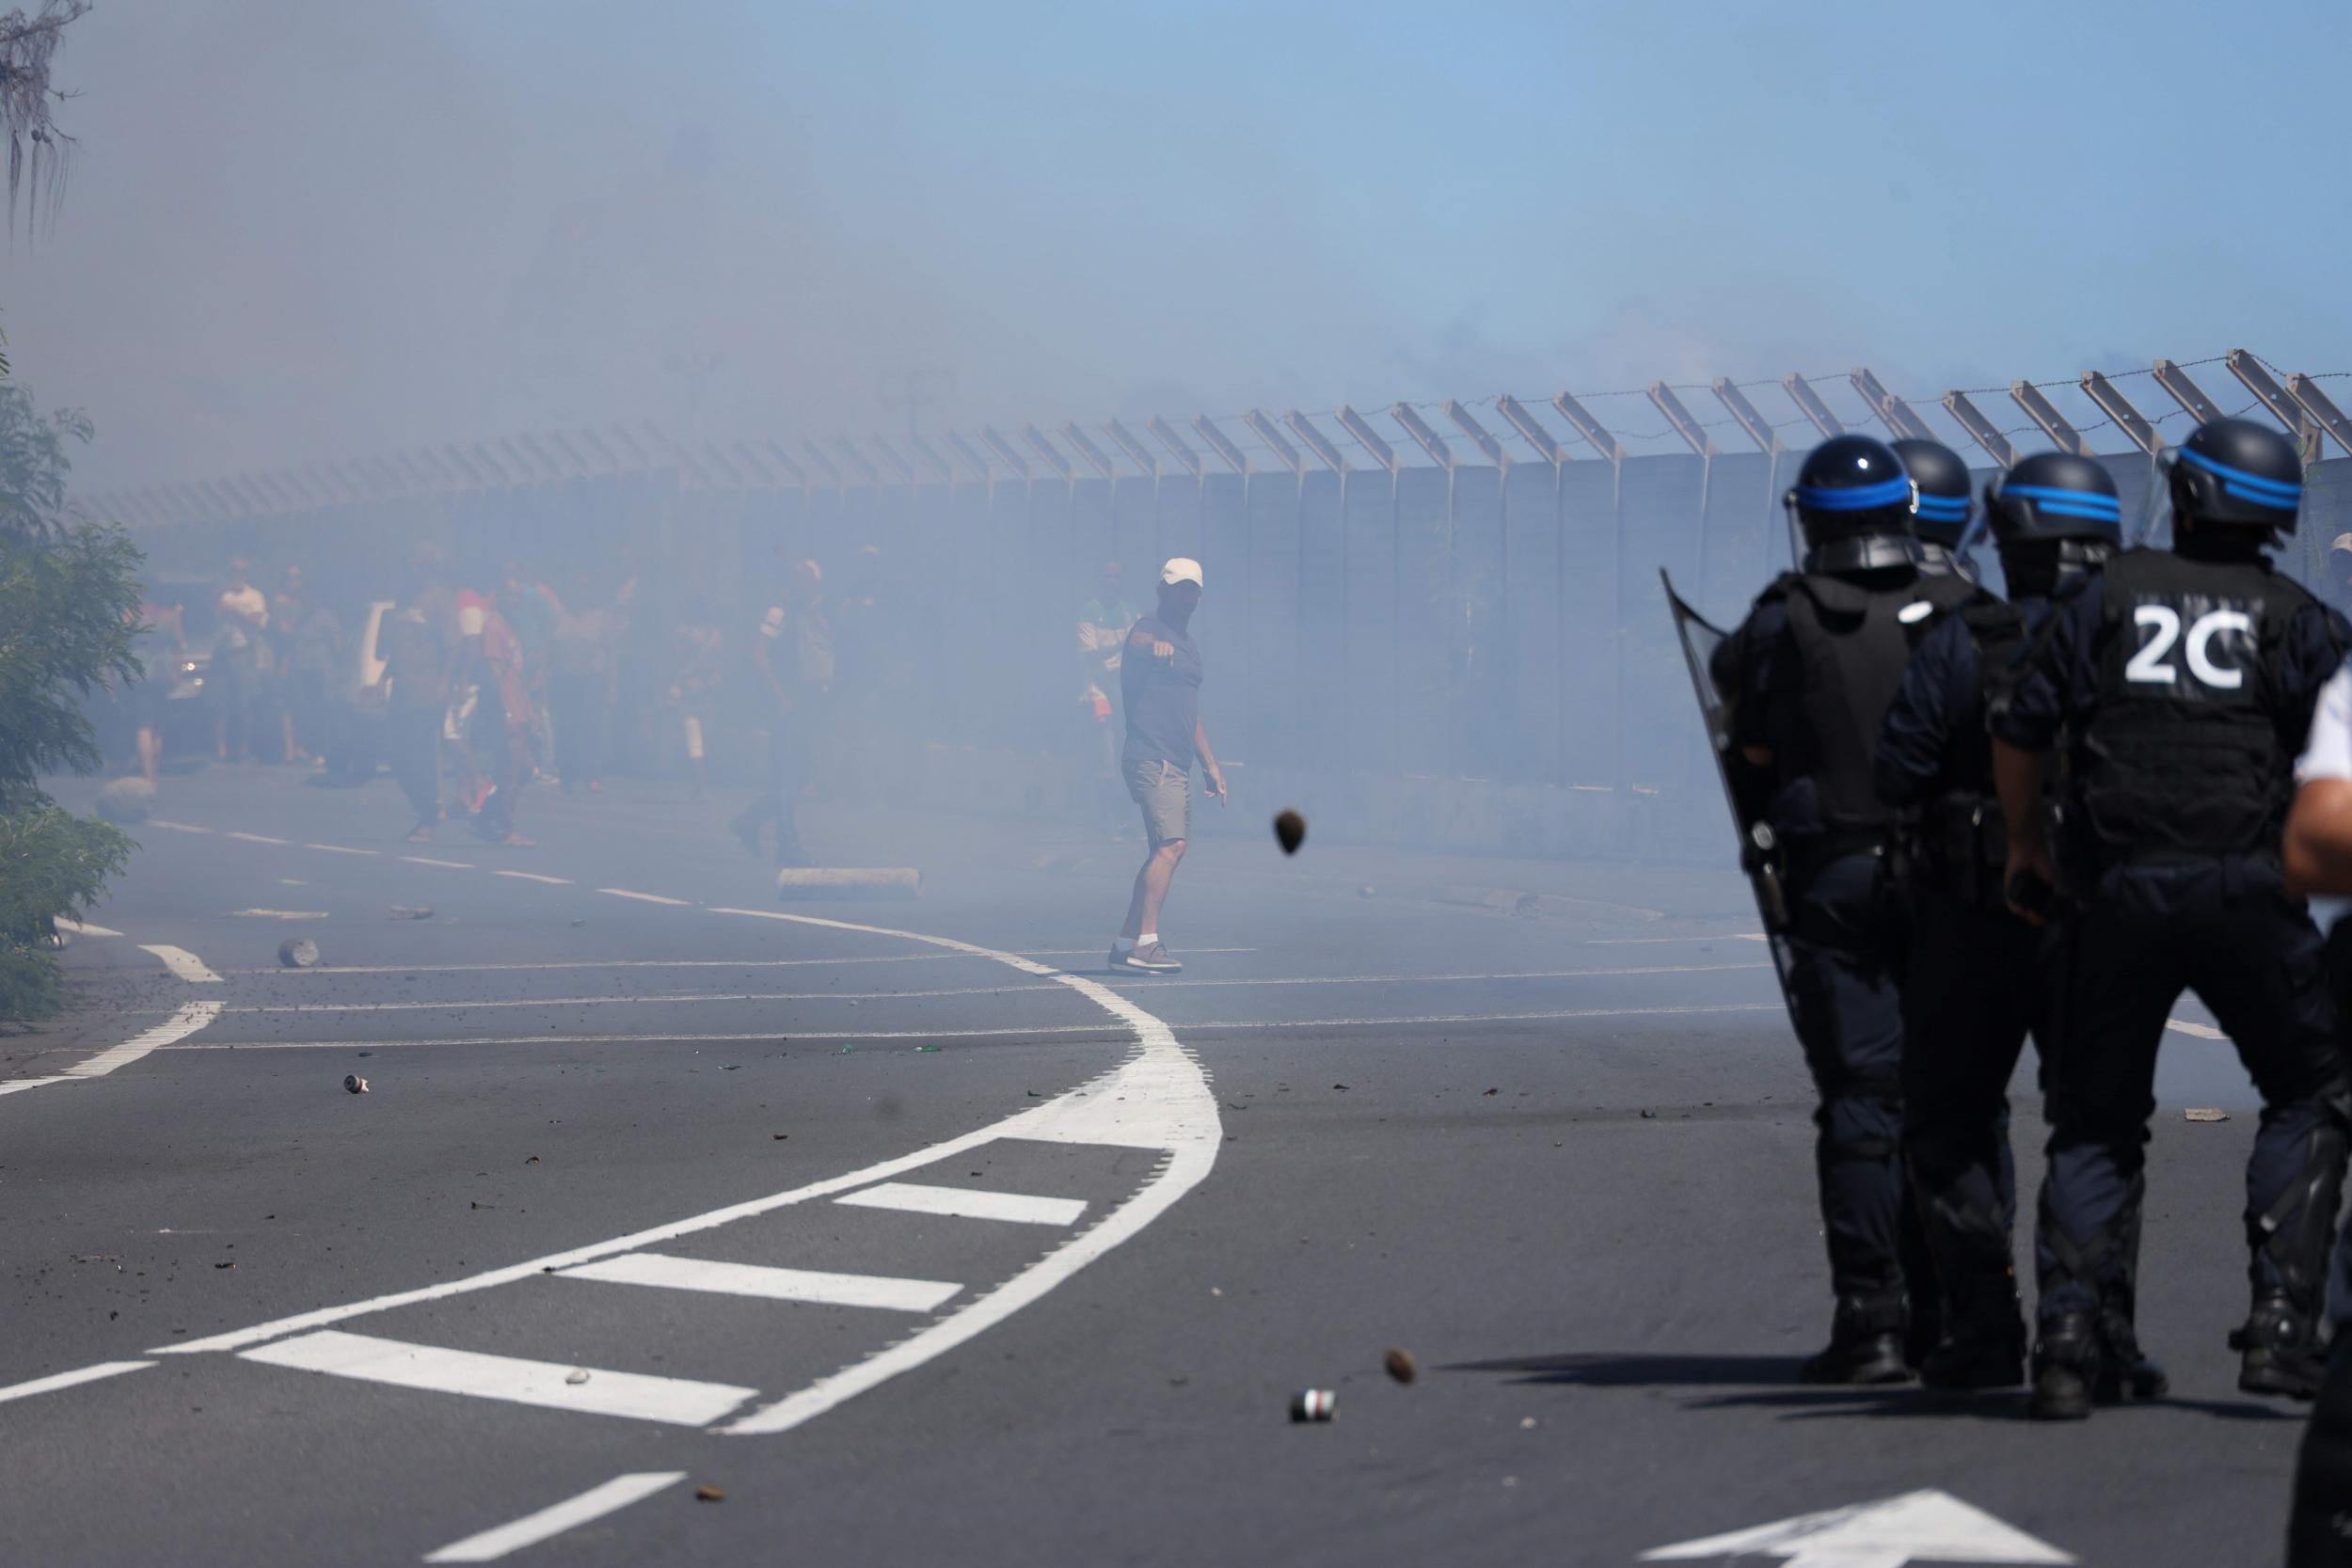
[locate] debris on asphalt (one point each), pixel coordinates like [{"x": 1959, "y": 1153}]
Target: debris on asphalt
[
  {"x": 2205, "y": 1114},
  {"x": 533, "y": 1161},
  {"x": 578, "y": 1376},
  {"x": 126, "y": 800},
  {"x": 1289, "y": 831},
  {"x": 1527, "y": 1423},
  {"x": 1649, "y": 1116},
  {"x": 779, "y": 1137},
  {"x": 732, "y": 1066},
  {"x": 1312, "y": 1405},
  {"x": 356, "y": 1084},
  {"x": 298, "y": 953},
  {"x": 928, "y": 1050},
  {"x": 580, "y": 923},
  {"x": 1341, "y": 1088},
  {"x": 230, "y": 1264},
  {"x": 1401, "y": 1364},
  {"x": 411, "y": 912},
  {"x": 710, "y": 1495},
  {"x": 1489, "y": 1091}
]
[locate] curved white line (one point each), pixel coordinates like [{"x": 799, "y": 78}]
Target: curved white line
[{"x": 1157, "y": 1099}]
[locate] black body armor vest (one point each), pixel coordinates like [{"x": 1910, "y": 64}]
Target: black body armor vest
[
  {"x": 1853, "y": 636},
  {"x": 2186, "y": 755}
]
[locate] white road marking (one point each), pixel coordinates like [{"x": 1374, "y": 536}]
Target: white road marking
[
  {"x": 183, "y": 963},
  {"x": 772, "y": 1284},
  {"x": 570, "y": 1514},
  {"x": 1158, "y": 1099},
  {"x": 176, "y": 827},
  {"x": 537, "y": 877},
  {"x": 341, "y": 849},
  {"x": 667, "y": 963},
  {"x": 2202, "y": 1031},
  {"x": 644, "y": 898},
  {"x": 258, "y": 838},
  {"x": 1918, "y": 1526},
  {"x": 680, "y": 1402},
  {"x": 824, "y": 1037},
  {"x": 67, "y": 1380},
  {"x": 83, "y": 928},
  {"x": 185, "y": 1021},
  {"x": 427, "y": 859},
  {"x": 915, "y": 1198},
  {"x": 280, "y": 914}
]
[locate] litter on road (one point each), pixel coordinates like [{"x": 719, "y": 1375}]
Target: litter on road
[
  {"x": 417, "y": 912},
  {"x": 356, "y": 1084},
  {"x": 1289, "y": 831},
  {"x": 2202, "y": 1114},
  {"x": 298, "y": 953},
  {"x": 1401, "y": 1364},
  {"x": 1312, "y": 1405}
]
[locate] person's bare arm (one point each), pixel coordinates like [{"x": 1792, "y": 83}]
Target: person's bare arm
[
  {"x": 2017, "y": 777},
  {"x": 1209, "y": 769},
  {"x": 2317, "y": 850}
]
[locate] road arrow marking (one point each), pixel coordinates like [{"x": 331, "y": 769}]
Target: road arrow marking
[{"x": 1918, "y": 1526}]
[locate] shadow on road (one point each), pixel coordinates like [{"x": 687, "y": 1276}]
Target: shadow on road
[{"x": 1773, "y": 1378}]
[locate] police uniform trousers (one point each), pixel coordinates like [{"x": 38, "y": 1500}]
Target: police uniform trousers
[
  {"x": 1845, "y": 947},
  {"x": 1978, "y": 980},
  {"x": 2227, "y": 931}
]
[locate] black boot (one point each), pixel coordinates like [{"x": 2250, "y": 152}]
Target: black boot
[
  {"x": 1866, "y": 1343},
  {"x": 2067, "y": 1369},
  {"x": 2280, "y": 1353},
  {"x": 1982, "y": 1353}
]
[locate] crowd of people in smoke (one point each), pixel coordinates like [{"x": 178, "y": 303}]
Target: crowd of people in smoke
[{"x": 469, "y": 689}]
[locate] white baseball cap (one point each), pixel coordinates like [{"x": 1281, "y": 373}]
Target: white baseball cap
[
  {"x": 2341, "y": 541},
  {"x": 1182, "y": 569}
]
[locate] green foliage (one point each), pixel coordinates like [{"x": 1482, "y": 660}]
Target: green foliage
[
  {"x": 69, "y": 593},
  {"x": 52, "y": 863}
]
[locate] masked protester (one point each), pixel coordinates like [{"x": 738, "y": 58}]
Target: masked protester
[
  {"x": 1159, "y": 683},
  {"x": 1976, "y": 978},
  {"x": 1809, "y": 675},
  {"x": 2179, "y": 687}
]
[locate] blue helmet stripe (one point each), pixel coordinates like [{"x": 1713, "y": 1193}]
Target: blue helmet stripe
[
  {"x": 2069, "y": 508},
  {"x": 2089, "y": 502},
  {"x": 1944, "y": 509},
  {"x": 2277, "y": 493},
  {"x": 1887, "y": 492}
]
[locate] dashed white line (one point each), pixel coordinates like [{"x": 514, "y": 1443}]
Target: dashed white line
[
  {"x": 184, "y": 1023},
  {"x": 69, "y": 1380},
  {"x": 570, "y": 1514},
  {"x": 83, "y": 929},
  {"x": 341, "y": 849},
  {"x": 176, "y": 827},
  {"x": 677, "y": 1401},
  {"x": 427, "y": 859},
  {"x": 537, "y": 877},
  {"x": 915, "y": 1197},
  {"x": 183, "y": 963},
  {"x": 644, "y": 898},
  {"x": 771, "y": 1284},
  {"x": 280, "y": 914},
  {"x": 257, "y": 838}
]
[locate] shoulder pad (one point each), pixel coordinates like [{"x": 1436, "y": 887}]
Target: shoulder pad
[{"x": 1778, "y": 590}]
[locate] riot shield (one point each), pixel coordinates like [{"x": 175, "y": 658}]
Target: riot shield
[{"x": 1759, "y": 852}]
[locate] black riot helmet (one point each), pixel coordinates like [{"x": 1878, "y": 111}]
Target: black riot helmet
[
  {"x": 2235, "y": 474},
  {"x": 2055, "y": 516},
  {"x": 1854, "y": 503},
  {"x": 1944, "y": 503}
]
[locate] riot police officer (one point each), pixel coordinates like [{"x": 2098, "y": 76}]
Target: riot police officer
[
  {"x": 2183, "y": 683},
  {"x": 1976, "y": 978},
  {"x": 1809, "y": 675},
  {"x": 1946, "y": 506}
]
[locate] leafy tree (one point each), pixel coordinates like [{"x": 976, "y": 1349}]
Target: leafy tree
[
  {"x": 39, "y": 155},
  {"x": 69, "y": 596}
]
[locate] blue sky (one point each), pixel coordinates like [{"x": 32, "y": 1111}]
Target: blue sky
[{"x": 297, "y": 227}]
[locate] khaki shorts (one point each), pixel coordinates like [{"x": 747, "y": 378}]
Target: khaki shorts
[{"x": 1164, "y": 791}]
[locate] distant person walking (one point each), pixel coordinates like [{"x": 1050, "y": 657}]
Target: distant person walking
[
  {"x": 239, "y": 660},
  {"x": 1159, "y": 689},
  {"x": 423, "y": 649},
  {"x": 793, "y": 656}
]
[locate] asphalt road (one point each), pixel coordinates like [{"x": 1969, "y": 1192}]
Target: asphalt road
[{"x": 923, "y": 1241}]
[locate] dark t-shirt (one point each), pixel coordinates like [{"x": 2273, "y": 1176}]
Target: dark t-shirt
[{"x": 1161, "y": 696}]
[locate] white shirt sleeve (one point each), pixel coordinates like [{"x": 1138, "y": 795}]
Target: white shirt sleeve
[
  {"x": 772, "y": 624},
  {"x": 2327, "y": 752}
]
